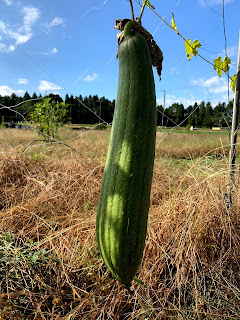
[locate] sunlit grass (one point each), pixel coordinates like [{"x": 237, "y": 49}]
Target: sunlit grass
[{"x": 51, "y": 264}]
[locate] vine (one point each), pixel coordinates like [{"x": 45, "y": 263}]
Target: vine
[{"x": 191, "y": 48}]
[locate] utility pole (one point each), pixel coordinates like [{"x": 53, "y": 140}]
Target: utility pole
[
  {"x": 163, "y": 107},
  {"x": 234, "y": 130}
]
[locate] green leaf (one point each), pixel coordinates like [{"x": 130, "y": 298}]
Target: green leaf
[
  {"x": 174, "y": 24},
  {"x": 233, "y": 83},
  {"x": 226, "y": 63},
  {"x": 218, "y": 66},
  {"x": 195, "y": 45},
  {"x": 140, "y": 282},
  {"x": 34, "y": 257},
  {"x": 188, "y": 48},
  {"x": 192, "y": 49},
  {"x": 42, "y": 251},
  {"x": 221, "y": 66}
]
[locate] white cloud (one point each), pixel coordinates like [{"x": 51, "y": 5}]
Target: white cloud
[
  {"x": 22, "y": 81},
  {"x": 170, "y": 99},
  {"x": 20, "y": 38},
  {"x": 215, "y": 90},
  {"x": 8, "y": 2},
  {"x": 11, "y": 48},
  {"x": 231, "y": 51},
  {"x": 90, "y": 78},
  {"x": 6, "y": 91},
  {"x": 212, "y": 82},
  {"x": 56, "y": 21},
  {"x": 3, "y": 47},
  {"x": 213, "y": 2},
  {"x": 23, "y": 33},
  {"x": 215, "y": 86},
  {"x": 48, "y": 86},
  {"x": 3, "y": 26},
  {"x": 30, "y": 15},
  {"x": 52, "y": 51}
]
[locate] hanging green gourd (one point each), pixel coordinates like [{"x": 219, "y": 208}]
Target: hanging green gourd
[{"x": 122, "y": 213}]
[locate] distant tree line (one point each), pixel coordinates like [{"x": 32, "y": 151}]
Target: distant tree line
[
  {"x": 197, "y": 115},
  {"x": 85, "y": 111}
]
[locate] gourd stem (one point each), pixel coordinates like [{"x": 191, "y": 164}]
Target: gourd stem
[
  {"x": 141, "y": 13},
  {"x": 132, "y": 11}
]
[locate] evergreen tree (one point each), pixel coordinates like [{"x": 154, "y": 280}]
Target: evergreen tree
[
  {"x": 196, "y": 114},
  {"x": 160, "y": 116},
  {"x": 26, "y": 96},
  {"x": 208, "y": 119},
  {"x": 201, "y": 115},
  {"x": 219, "y": 114},
  {"x": 179, "y": 113},
  {"x": 34, "y": 96},
  {"x": 191, "y": 116}
]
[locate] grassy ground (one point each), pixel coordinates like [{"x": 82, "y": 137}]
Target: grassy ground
[{"x": 50, "y": 267}]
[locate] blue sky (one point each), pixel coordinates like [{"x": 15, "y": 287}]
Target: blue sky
[{"x": 70, "y": 47}]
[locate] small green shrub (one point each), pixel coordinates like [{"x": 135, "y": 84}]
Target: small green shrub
[
  {"x": 100, "y": 126},
  {"x": 48, "y": 116},
  {"x": 2, "y": 124}
]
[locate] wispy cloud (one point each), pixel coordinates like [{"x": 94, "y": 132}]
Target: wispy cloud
[
  {"x": 48, "y": 86},
  {"x": 23, "y": 33},
  {"x": 22, "y": 81},
  {"x": 52, "y": 51},
  {"x": 55, "y": 22},
  {"x": 7, "y": 91},
  {"x": 213, "y": 2},
  {"x": 170, "y": 99},
  {"x": 30, "y": 16},
  {"x": 214, "y": 86},
  {"x": 215, "y": 89},
  {"x": 231, "y": 51},
  {"x": 90, "y": 78},
  {"x": 8, "y": 2}
]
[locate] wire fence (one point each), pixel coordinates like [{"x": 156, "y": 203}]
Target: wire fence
[{"x": 28, "y": 56}]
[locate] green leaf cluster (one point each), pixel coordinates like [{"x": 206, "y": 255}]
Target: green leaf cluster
[
  {"x": 222, "y": 65},
  {"x": 192, "y": 49}
]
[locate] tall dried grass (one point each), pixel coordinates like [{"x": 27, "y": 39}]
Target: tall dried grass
[{"x": 190, "y": 268}]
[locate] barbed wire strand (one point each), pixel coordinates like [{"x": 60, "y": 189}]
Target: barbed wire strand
[{"x": 79, "y": 19}]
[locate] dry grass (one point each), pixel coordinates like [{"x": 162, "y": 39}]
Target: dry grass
[{"x": 50, "y": 267}]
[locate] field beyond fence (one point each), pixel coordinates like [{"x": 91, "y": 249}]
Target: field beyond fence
[{"x": 50, "y": 267}]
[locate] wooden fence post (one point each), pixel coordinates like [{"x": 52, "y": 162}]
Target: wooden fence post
[{"x": 234, "y": 131}]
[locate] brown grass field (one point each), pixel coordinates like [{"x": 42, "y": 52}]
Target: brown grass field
[{"x": 50, "y": 266}]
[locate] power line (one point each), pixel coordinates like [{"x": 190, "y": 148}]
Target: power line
[{"x": 225, "y": 38}]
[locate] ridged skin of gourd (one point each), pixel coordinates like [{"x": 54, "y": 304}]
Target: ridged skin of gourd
[{"x": 122, "y": 214}]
